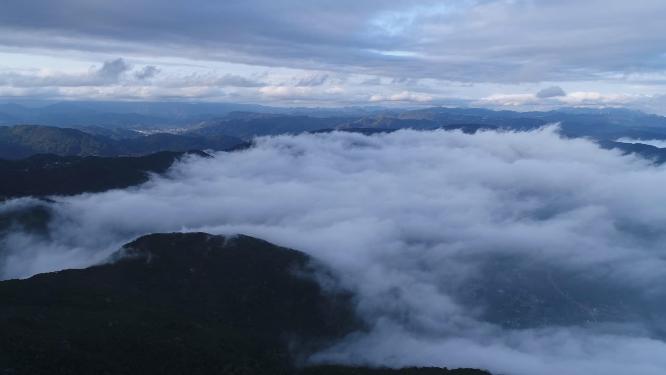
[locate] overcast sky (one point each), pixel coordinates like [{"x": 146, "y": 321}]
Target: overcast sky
[{"x": 516, "y": 54}]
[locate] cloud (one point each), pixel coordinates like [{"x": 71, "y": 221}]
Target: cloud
[
  {"x": 147, "y": 72},
  {"x": 207, "y": 79},
  {"x": 464, "y": 41},
  {"x": 374, "y": 81},
  {"x": 597, "y": 98},
  {"x": 464, "y": 50},
  {"x": 313, "y": 80},
  {"x": 111, "y": 72},
  {"x": 404, "y": 96},
  {"x": 116, "y": 79},
  {"x": 521, "y": 252},
  {"x": 236, "y": 81},
  {"x": 551, "y": 92},
  {"x": 551, "y": 98},
  {"x": 285, "y": 92},
  {"x": 328, "y": 93},
  {"x": 511, "y": 100}
]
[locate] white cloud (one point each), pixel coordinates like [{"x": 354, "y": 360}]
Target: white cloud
[
  {"x": 285, "y": 91},
  {"x": 592, "y": 97},
  {"x": 511, "y": 100},
  {"x": 404, "y": 96},
  {"x": 552, "y": 99}
]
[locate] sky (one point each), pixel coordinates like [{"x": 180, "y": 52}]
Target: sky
[{"x": 513, "y": 54}]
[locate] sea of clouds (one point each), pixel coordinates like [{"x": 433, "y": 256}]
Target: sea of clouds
[{"x": 519, "y": 252}]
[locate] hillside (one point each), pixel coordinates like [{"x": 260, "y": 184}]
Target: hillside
[
  {"x": 21, "y": 141},
  {"x": 25, "y": 140},
  {"x": 249, "y": 125},
  {"x": 43, "y": 175}
]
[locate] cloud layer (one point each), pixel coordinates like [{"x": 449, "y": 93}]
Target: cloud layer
[
  {"x": 489, "y": 47},
  {"x": 523, "y": 253},
  {"x": 519, "y": 41}
]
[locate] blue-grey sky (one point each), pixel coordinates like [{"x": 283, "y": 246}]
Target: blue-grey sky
[{"x": 520, "y": 54}]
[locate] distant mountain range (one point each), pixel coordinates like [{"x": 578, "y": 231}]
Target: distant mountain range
[
  {"x": 250, "y": 125},
  {"x": 115, "y": 114},
  {"x": 602, "y": 124},
  {"x": 236, "y": 129},
  {"x": 21, "y": 141},
  {"x": 180, "y": 304},
  {"x": 147, "y": 114},
  {"x": 115, "y": 119}
]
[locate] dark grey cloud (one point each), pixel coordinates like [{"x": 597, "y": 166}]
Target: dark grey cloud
[
  {"x": 111, "y": 70},
  {"x": 147, "y": 72},
  {"x": 477, "y": 41},
  {"x": 551, "y": 92},
  {"x": 461, "y": 249}
]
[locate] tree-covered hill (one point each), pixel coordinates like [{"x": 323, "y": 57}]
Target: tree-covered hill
[{"x": 180, "y": 304}]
